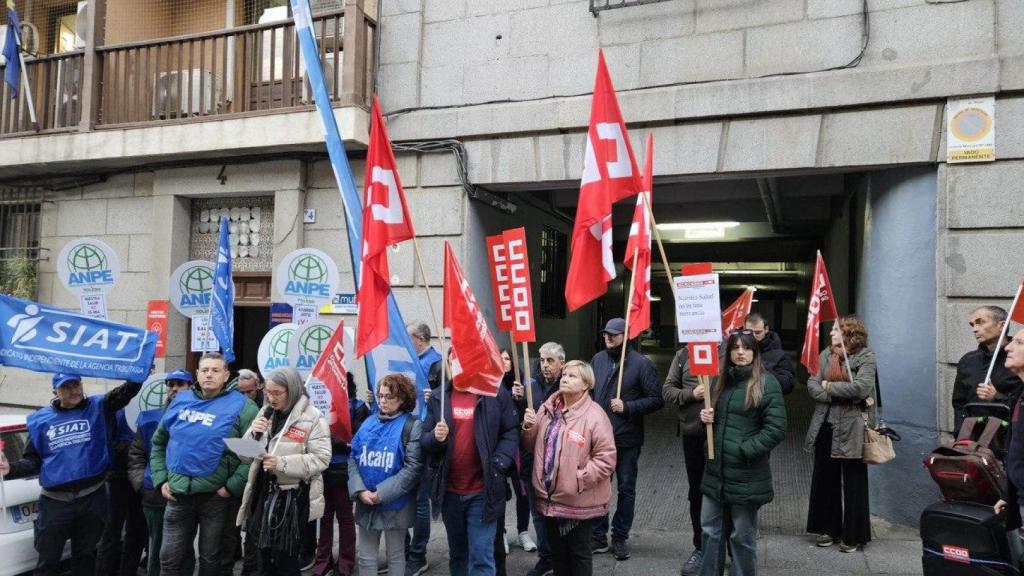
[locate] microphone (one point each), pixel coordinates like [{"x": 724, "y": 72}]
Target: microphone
[{"x": 267, "y": 413}]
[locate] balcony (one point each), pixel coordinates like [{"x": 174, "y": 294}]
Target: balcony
[{"x": 232, "y": 73}]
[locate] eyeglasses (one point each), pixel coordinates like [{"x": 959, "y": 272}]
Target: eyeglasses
[
  {"x": 276, "y": 393},
  {"x": 386, "y": 396}
]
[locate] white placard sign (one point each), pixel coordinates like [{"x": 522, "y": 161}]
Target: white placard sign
[
  {"x": 94, "y": 305},
  {"x": 698, "y": 308},
  {"x": 203, "y": 339},
  {"x": 307, "y": 277},
  {"x": 88, "y": 266},
  {"x": 191, "y": 288}
]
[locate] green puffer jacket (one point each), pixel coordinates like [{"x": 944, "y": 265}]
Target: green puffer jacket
[
  {"x": 231, "y": 473},
  {"x": 740, "y": 472}
]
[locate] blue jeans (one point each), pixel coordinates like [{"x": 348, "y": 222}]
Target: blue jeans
[
  {"x": 416, "y": 549},
  {"x": 743, "y": 539},
  {"x": 625, "y": 483},
  {"x": 470, "y": 538}
]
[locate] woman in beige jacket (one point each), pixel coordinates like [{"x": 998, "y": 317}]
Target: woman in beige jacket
[
  {"x": 574, "y": 456},
  {"x": 285, "y": 491}
]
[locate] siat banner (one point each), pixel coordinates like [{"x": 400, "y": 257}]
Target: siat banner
[
  {"x": 307, "y": 278},
  {"x": 273, "y": 350},
  {"x": 191, "y": 288},
  {"x": 43, "y": 338}
]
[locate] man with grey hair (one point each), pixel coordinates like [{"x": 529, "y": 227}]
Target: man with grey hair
[
  {"x": 249, "y": 383},
  {"x": 987, "y": 324},
  {"x": 430, "y": 359}
]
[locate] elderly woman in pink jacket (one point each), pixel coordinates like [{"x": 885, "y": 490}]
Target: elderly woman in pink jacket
[{"x": 574, "y": 457}]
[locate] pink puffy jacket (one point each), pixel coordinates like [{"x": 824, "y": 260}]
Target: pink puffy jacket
[{"x": 585, "y": 460}]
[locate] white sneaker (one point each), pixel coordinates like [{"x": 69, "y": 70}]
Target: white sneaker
[
  {"x": 526, "y": 542},
  {"x": 504, "y": 540}
]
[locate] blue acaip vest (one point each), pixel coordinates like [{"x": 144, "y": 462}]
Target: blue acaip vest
[
  {"x": 196, "y": 428},
  {"x": 73, "y": 444},
  {"x": 147, "y": 423},
  {"x": 380, "y": 453}
]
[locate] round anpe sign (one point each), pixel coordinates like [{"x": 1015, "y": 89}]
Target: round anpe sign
[
  {"x": 305, "y": 347},
  {"x": 88, "y": 266},
  {"x": 152, "y": 395},
  {"x": 191, "y": 288},
  {"x": 273, "y": 350},
  {"x": 307, "y": 277}
]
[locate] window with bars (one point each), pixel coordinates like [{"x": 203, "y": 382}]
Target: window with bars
[
  {"x": 554, "y": 251},
  {"x": 19, "y": 241}
]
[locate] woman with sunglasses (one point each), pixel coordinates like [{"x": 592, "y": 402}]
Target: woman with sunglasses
[
  {"x": 838, "y": 509},
  {"x": 285, "y": 490},
  {"x": 749, "y": 418},
  {"x": 383, "y": 475}
]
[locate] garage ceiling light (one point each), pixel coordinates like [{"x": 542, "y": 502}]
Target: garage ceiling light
[{"x": 699, "y": 230}]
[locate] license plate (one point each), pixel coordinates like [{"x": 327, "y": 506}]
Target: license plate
[{"x": 24, "y": 513}]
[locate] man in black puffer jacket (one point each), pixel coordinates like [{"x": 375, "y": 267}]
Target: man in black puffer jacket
[
  {"x": 641, "y": 395},
  {"x": 772, "y": 355}
]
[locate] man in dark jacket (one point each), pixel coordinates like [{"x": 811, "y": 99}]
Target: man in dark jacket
[
  {"x": 469, "y": 453},
  {"x": 772, "y": 355},
  {"x": 69, "y": 448},
  {"x": 641, "y": 395},
  {"x": 987, "y": 324}
]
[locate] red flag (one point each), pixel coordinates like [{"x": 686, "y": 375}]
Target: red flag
[
  {"x": 386, "y": 221},
  {"x": 330, "y": 370},
  {"x": 820, "y": 308},
  {"x": 640, "y": 242},
  {"x": 703, "y": 358},
  {"x": 476, "y": 361},
  {"x": 497, "y": 256},
  {"x": 736, "y": 313},
  {"x": 610, "y": 174},
  {"x": 1017, "y": 314}
]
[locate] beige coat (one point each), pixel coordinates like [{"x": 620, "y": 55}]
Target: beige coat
[{"x": 303, "y": 450}]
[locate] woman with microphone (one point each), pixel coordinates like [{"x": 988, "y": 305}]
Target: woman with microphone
[{"x": 285, "y": 490}]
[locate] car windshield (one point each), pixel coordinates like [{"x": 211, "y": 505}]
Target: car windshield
[{"x": 14, "y": 443}]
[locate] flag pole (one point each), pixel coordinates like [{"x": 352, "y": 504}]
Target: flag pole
[
  {"x": 625, "y": 339},
  {"x": 708, "y": 428},
  {"x": 437, "y": 325},
  {"x": 515, "y": 357},
  {"x": 526, "y": 371},
  {"x": 1002, "y": 334},
  {"x": 26, "y": 85},
  {"x": 661, "y": 246}
]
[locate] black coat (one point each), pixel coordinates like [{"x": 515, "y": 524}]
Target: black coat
[
  {"x": 775, "y": 361},
  {"x": 971, "y": 370},
  {"x": 496, "y": 431},
  {"x": 641, "y": 394}
]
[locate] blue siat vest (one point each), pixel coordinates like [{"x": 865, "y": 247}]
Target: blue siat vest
[
  {"x": 71, "y": 443},
  {"x": 379, "y": 452},
  {"x": 147, "y": 423},
  {"x": 196, "y": 429}
]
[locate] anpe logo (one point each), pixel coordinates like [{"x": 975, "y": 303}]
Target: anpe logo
[
  {"x": 204, "y": 418},
  {"x": 278, "y": 350},
  {"x": 88, "y": 265},
  {"x": 307, "y": 276},
  {"x": 60, "y": 431},
  {"x": 311, "y": 344},
  {"x": 196, "y": 285}
]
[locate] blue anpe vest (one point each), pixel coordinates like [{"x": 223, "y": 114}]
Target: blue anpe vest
[
  {"x": 71, "y": 443},
  {"x": 147, "y": 423},
  {"x": 380, "y": 453},
  {"x": 196, "y": 429},
  {"x": 428, "y": 358}
]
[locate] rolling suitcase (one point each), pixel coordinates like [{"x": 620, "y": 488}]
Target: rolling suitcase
[{"x": 965, "y": 539}]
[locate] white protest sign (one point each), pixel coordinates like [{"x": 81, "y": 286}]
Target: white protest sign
[
  {"x": 203, "y": 339},
  {"x": 698, "y": 308},
  {"x": 88, "y": 266},
  {"x": 94, "y": 305},
  {"x": 152, "y": 395},
  {"x": 191, "y": 288}
]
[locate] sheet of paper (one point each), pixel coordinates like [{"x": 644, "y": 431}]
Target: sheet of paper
[{"x": 245, "y": 447}]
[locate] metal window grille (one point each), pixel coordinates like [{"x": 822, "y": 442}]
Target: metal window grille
[
  {"x": 553, "y": 257},
  {"x": 19, "y": 240},
  {"x": 602, "y": 5}
]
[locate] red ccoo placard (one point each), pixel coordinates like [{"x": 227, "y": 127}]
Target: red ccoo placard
[{"x": 703, "y": 358}]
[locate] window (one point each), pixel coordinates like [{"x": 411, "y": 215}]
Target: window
[
  {"x": 553, "y": 257},
  {"x": 19, "y": 241}
]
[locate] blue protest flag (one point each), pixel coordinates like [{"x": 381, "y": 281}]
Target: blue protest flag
[
  {"x": 222, "y": 309},
  {"x": 44, "y": 338},
  {"x": 12, "y": 72},
  {"x": 396, "y": 354}
]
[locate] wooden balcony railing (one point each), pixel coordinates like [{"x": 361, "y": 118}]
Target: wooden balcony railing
[
  {"x": 56, "y": 83},
  {"x": 242, "y": 71}
]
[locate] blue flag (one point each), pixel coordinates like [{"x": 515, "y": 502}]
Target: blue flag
[
  {"x": 45, "y": 338},
  {"x": 222, "y": 309},
  {"x": 12, "y": 72},
  {"x": 396, "y": 354}
]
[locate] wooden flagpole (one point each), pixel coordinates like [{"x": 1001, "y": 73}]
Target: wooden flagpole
[
  {"x": 709, "y": 429},
  {"x": 437, "y": 325},
  {"x": 526, "y": 371},
  {"x": 515, "y": 357},
  {"x": 625, "y": 334}
]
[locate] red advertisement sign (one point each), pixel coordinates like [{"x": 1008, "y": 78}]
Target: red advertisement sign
[
  {"x": 510, "y": 280},
  {"x": 156, "y": 321},
  {"x": 703, "y": 358}
]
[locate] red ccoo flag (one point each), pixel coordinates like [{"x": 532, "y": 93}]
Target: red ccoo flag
[
  {"x": 330, "y": 370},
  {"x": 820, "y": 308},
  {"x": 386, "y": 221},
  {"x": 734, "y": 316},
  {"x": 1017, "y": 314},
  {"x": 476, "y": 361},
  {"x": 640, "y": 242},
  {"x": 610, "y": 174}
]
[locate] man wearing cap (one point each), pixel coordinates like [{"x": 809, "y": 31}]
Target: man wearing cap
[
  {"x": 641, "y": 395},
  {"x": 194, "y": 470},
  {"x": 69, "y": 449}
]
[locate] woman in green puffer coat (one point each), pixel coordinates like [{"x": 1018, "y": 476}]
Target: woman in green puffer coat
[{"x": 749, "y": 418}]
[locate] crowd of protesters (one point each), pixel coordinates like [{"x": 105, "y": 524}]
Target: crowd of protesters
[{"x": 171, "y": 487}]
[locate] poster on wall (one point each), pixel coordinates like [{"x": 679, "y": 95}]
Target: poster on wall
[
  {"x": 89, "y": 268},
  {"x": 971, "y": 129}
]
